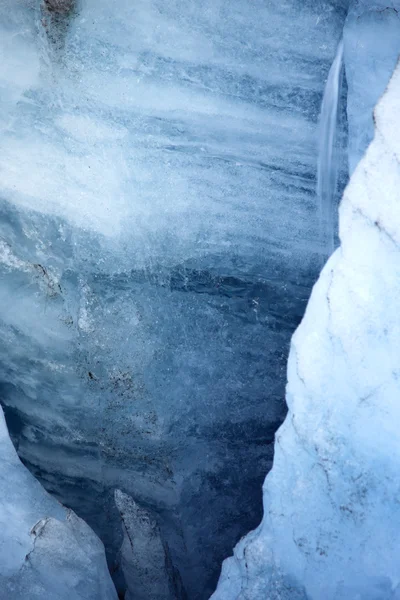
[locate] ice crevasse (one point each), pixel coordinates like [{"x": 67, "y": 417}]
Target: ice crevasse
[
  {"x": 149, "y": 290},
  {"x": 153, "y": 158},
  {"x": 332, "y": 499}
]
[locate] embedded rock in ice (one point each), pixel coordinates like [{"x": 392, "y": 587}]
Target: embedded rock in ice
[
  {"x": 331, "y": 502},
  {"x": 146, "y": 563},
  {"x": 46, "y": 551}
]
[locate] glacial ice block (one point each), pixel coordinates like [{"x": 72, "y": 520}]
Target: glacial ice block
[
  {"x": 46, "y": 551},
  {"x": 331, "y": 526}
]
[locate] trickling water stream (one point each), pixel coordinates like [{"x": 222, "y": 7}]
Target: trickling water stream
[{"x": 327, "y": 174}]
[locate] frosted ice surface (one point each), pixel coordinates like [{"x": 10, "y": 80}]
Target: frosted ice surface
[
  {"x": 331, "y": 510},
  {"x": 46, "y": 551}
]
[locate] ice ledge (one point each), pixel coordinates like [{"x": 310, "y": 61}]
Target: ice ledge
[
  {"x": 46, "y": 551},
  {"x": 332, "y": 500}
]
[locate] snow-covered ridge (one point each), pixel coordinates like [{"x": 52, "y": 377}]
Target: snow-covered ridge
[{"x": 331, "y": 502}]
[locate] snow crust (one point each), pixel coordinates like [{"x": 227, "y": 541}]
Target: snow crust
[
  {"x": 46, "y": 551},
  {"x": 331, "y": 502}
]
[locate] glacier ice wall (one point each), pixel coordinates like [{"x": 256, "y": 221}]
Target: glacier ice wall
[
  {"x": 146, "y": 560},
  {"x": 328, "y": 151},
  {"x": 158, "y": 241},
  {"x": 46, "y": 551},
  {"x": 331, "y": 502},
  {"x": 371, "y": 35}
]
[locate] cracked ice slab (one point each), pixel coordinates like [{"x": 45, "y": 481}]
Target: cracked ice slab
[{"x": 331, "y": 502}]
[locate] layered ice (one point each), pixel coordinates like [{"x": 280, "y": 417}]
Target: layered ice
[
  {"x": 46, "y": 551},
  {"x": 331, "y": 502},
  {"x": 159, "y": 239}
]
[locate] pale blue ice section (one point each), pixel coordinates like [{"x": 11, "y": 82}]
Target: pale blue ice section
[
  {"x": 331, "y": 498},
  {"x": 372, "y": 48}
]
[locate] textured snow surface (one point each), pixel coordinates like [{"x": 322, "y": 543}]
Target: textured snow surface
[
  {"x": 331, "y": 501},
  {"x": 158, "y": 242},
  {"x": 46, "y": 551}
]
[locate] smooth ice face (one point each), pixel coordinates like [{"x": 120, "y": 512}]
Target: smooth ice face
[
  {"x": 46, "y": 551},
  {"x": 371, "y": 37},
  {"x": 328, "y": 155},
  {"x": 158, "y": 244},
  {"x": 331, "y": 502}
]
